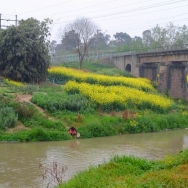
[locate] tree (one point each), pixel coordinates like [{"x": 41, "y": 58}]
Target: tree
[
  {"x": 82, "y": 31},
  {"x": 146, "y": 37},
  {"x": 24, "y": 54},
  {"x": 69, "y": 39},
  {"x": 53, "y": 46},
  {"x": 167, "y": 36},
  {"x": 122, "y": 38},
  {"x": 100, "y": 40}
]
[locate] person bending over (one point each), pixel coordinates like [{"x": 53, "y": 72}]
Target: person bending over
[{"x": 73, "y": 131}]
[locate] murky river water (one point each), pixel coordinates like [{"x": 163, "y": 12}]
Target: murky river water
[{"x": 19, "y": 162}]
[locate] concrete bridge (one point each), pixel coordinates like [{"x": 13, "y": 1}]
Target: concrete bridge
[{"x": 168, "y": 68}]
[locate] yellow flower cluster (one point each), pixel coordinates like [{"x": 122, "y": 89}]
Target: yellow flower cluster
[
  {"x": 81, "y": 76},
  {"x": 119, "y": 94},
  {"x": 14, "y": 83}
]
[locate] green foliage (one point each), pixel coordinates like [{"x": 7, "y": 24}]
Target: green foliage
[
  {"x": 29, "y": 89},
  {"x": 97, "y": 67},
  {"x": 35, "y": 134},
  {"x": 92, "y": 66},
  {"x": 95, "y": 130},
  {"x": 61, "y": 101},
  {"x": 49, "y": 87},
  {"x": 98, "y": 127},
  {"x": 24, "y": 51},
  {"x": 167, "y": 37},
  {"x": 38, "y": 120},
  {"x": 128, "y": 171},
  {"x": 8, "y": 117},
  {"x": 24, "y": 110}
]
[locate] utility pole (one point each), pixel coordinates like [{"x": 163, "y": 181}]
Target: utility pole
[
  {"x": 16, "y": 20},
  {"x": 97, "y": 43},
  {"x": 0, "y": 21},
  {"x": 8, "y": 20}
]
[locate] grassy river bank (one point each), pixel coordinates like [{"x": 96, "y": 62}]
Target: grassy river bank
[
  {"x": 96, "y": 103},
  {"x": 132, "y": 172},
  {"x": 99, "y": 101}
]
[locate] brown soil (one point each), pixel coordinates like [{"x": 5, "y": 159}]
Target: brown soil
[
  {"x": 27, "y": 98},
  {"x": 19, "y": 127}
]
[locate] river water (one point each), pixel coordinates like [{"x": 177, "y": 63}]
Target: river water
[{"x": 19, "y": 162}]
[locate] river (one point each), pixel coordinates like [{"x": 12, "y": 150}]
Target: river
[{"x": 19, "y": 162}]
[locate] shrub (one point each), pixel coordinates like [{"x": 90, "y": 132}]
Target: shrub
[
  {"x": 24, "y": 110},
  {"x": 24, "y": 52},
  {"x": 62, "y": 101},
  {"x": 94, "y": 129},
  {"x": 29, "y": 89},
  {"x": 8, "y": 117}
]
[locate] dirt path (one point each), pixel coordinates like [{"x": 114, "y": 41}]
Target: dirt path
[
  {"x": 19, "y": 126},
  {"x": 27, "y": 98}
]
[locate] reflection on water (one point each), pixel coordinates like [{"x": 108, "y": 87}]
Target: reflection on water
[{"x": 19, "y": 162}]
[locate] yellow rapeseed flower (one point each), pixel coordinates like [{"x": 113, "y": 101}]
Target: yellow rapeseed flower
[
  {"x": 119, "y": 94},
  {"x": 81, "y": 76},
  {"x": 14, "y": 83}
]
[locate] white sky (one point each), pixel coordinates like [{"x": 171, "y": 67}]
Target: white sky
[{"x": 132, "y": 17}]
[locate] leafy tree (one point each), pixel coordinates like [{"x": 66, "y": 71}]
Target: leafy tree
[
  {"x": 53, "y": 46},
  {"x": 69, "y": 39},
  {"x": 146, "y": 37},
  {"x": 122, "y": 38},
  {"x": 166, "y": 36},
  {"x": 24, "y": 54},
  {"x": 82, "y": 31},
  {"x": 100, "y": 40}
]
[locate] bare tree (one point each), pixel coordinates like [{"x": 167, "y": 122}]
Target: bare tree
[{"x": 82, "y": 32}]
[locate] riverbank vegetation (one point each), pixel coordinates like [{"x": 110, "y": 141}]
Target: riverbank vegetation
[
  {"x": 128, "y": 171},
  {"x": 92, "y": 100}
]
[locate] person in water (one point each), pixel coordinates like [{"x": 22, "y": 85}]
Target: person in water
[{"x": 73, "y": 131}]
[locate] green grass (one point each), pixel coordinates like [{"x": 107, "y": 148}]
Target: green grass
[
  {"x": 133, "y": 172},
  {"x": 63, "y": 110},
  {"x": 99, "y": 68}
]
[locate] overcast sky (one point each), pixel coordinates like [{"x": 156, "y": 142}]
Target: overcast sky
[{"x": 130, "y": 16}]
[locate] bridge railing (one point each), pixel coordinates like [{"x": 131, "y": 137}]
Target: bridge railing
[
  {"x": 74, "y": 57},
  {"x": 163, "y": 48},
  {"x": 112, "y": 54}
]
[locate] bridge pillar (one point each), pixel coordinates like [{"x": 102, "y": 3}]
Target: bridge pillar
[
  {"x": 172, "y": 79},
  {"x": 149, "y": 70}
]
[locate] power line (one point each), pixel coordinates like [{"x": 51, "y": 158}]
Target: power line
[
  {"x": 146, "y": 12},
  {"x": 101, "y": 4},
  {"x": 138, "y": 28},
  {"x": 151, "y": 20},
  {"x": 16, "y": 21},
  {"x": 132, "y": 10},
  {"x": 46, "y": 7}
]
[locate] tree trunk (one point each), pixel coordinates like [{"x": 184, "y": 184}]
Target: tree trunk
[{"x": 81, "y": 61}]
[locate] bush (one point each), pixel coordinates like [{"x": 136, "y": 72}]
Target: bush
[
  {"x": 62, "y": 101},
  {"x": 24, "y": 52},
  {"x": 24, "y": 110},
  {"x": 8, "y": 117},
  {"x": 94, "y": 129},
  {"x": 36, "y": 134}
]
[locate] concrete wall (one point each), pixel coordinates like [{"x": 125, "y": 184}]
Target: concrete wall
[
  {"x": 171, "y": 67},
  {"x": 122, "y": 61},
  {"x": 163, "y": 57},
  {"x": 149, "y": 71},
  {"x": 172, "y": 79}
]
